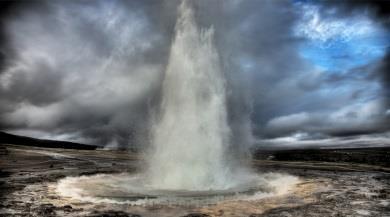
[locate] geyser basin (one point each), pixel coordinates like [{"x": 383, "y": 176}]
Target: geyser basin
[{"x": 134, "y": 189}]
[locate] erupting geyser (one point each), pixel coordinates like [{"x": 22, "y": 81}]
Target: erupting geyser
[
  {"x": 191, "y": 135},
  {"x": 188, "y": 160}
]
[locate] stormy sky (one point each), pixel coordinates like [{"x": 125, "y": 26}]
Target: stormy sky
[{"x": 300, "y": 73}]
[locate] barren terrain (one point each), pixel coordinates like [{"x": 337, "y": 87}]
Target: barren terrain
[{"x": 29, "y": 176}]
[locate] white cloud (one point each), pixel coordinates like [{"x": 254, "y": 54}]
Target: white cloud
[
  {"x": 79, "y": 67},
  {"x": 289, "y": 121},
  {"x": 287, "y": 142},
  {"x": 358, "y": 116},
  {"x": 35, "y": 116},
  {"x": 313, "y": 25}
]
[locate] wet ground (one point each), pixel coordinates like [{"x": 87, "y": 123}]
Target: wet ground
[{"x": 29, "y": 176}]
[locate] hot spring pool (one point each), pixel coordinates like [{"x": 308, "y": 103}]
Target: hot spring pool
[{"x": 134, "y": 189}]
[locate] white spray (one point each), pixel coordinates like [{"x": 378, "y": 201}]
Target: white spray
[{"x": 191, "y": 136}]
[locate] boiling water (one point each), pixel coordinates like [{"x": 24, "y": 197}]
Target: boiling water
[{"x": 191, "y": 136}]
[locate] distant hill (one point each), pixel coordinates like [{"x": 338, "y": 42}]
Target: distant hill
[
  {"x": 374, "y": 155},
  {"x": 6, "y": 138}
]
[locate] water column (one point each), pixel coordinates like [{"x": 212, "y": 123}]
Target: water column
[{"x": 191, "y": 135}]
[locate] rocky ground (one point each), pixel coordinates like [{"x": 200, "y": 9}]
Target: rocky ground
[{"x": 28, "y": 176}]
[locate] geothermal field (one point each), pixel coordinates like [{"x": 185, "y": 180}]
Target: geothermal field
[
  {"x": 194, "y": 108},
  {"x": 67, "y": 182}
]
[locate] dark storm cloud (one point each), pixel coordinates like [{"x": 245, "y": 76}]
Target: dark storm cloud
[
  {"x": 306, "y": 141},
  {"x": 91, "y": 71},
  {"x": 349, "y": 120},
  {"x": 384, "y": 71},
  {"x": 254, "y": 41},
  {"x": 72, "y": 38},
  {"x": 379, "y": 8},
  {"x": 85, "y": 71},
  {"x": 6, "y": 8}
]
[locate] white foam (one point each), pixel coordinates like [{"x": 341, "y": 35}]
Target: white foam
[{"x": 132, "y": 189}]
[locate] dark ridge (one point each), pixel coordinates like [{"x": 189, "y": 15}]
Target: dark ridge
[
  {"x": 372, "y": 156},
  {"x": 6, "y": 138}
]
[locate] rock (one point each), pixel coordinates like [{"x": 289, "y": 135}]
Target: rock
[
  {"x": 67, "y": 208},
  {"x": 46, "y": 210},
  {"x": 196, "y": 215},
  {"x": 111, "y": 213}
]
